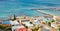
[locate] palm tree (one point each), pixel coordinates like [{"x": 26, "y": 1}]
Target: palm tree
[{"x": 14, "y": 18}]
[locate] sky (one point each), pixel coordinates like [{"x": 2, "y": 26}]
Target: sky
[{"x": 16, "y": 5}]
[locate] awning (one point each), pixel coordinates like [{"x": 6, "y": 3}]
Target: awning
[{"x": 5, "y": 22}]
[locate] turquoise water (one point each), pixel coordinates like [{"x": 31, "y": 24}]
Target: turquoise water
[
  {"x": 45, "y": 30},
  {"x": 25, "y": 12},
  {"x": 53, "y": 12},
  {"x": 23, "y": 7}
]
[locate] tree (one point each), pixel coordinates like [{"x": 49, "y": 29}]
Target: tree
[
  {"x": 8, "y": 29},
  {"x": 58, "y": 27},
  {"x": 53, "y": 20},
  {"x": 31, "y": 23},
  {"x": 49, "y": 23},
  {"x": 2, "y": 27},
  {"x": 25, "y": 26},
  {"x": 14, "y": 17},
  {"x": 36, "y": 28}
]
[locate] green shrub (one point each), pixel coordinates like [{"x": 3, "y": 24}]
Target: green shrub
[
  {"x": 49, "y": 23},
  {"x": 31, "y": 23},
  {"x": 53, "y": 20}
]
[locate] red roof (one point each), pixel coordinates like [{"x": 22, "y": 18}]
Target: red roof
[{"x": 21, "y": 29}]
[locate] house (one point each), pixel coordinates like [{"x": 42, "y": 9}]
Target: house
[
  {"x": 58, "y": 18},
  {"x": 17, "y": 27},
  {"x": 47, "y": 18},
  {"x": 14, "y": 22},
  {"x": 21, "y": 29},
  {"x": 52, "y": 29}
]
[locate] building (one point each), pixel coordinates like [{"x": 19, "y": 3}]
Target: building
[
  {"x": 58, "y": 18},
  {"x": 47, "y": 18}
]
